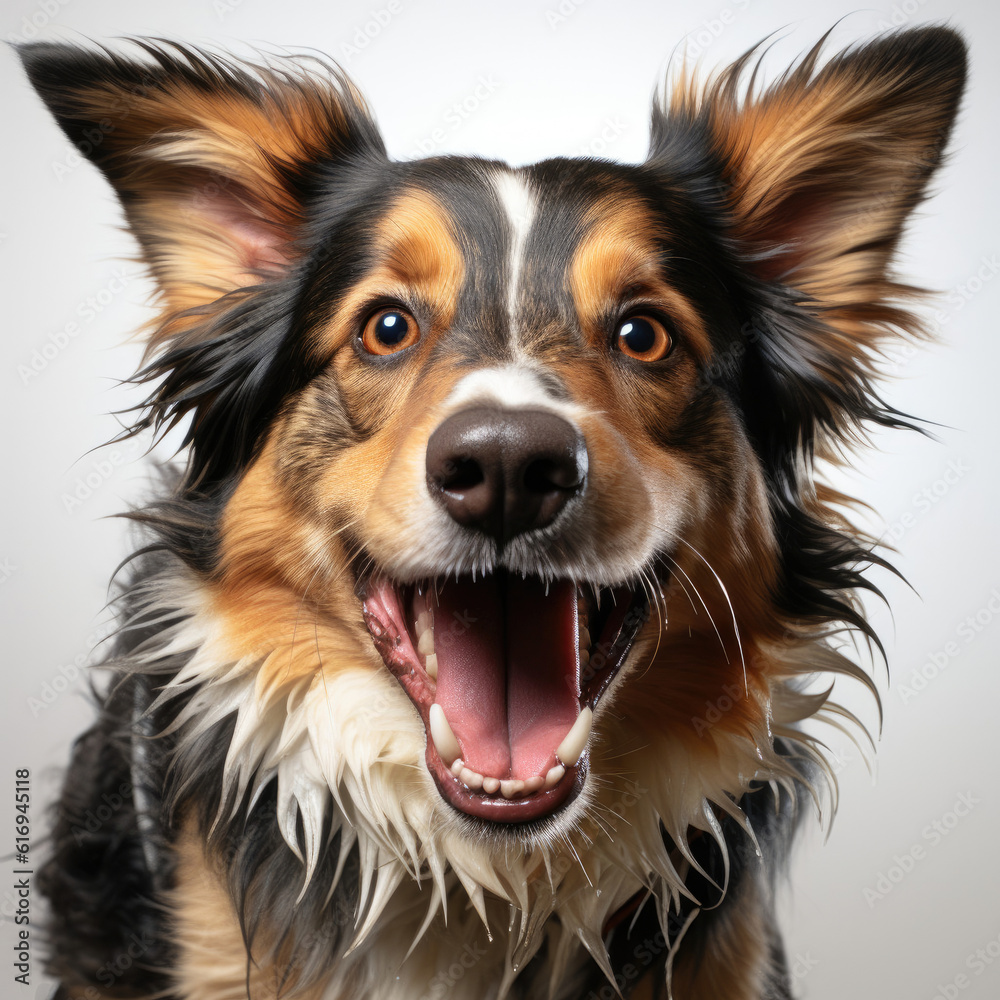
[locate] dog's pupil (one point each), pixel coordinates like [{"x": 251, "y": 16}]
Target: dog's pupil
[
  {"x": 638, "y": 335},
  {"x": 391, "y": 328}
]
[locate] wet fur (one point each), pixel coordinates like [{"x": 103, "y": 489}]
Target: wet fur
[{"x": 262, "y": 216}]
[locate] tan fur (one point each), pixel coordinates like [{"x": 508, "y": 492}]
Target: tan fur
[
  {"x": 418, "y": 259},
  {"x": 620, "y": 253},
  {"x": 202, "y": 171},
  {"x": 282, "y": 585},
  {"x": 825, "y": 164},
  {"x": 212, "y": 962},
  {"x": 733, "y": 961}
]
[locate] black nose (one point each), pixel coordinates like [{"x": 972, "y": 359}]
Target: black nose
[{"x": 505, "y": 472}]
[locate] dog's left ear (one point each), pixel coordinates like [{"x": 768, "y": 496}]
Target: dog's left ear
[
  {"x": 214, "y": 160},
  {"x": 816, "y": 175}
]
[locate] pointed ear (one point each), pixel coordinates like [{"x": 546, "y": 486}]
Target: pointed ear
[
  {"x": 213, "y": 159},
  {"x": 820, "y": 170}
]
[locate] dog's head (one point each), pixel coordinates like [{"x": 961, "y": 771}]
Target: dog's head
[{"x": 500, "y": 514}]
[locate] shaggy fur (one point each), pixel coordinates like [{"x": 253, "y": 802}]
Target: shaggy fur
[{"x": 680, "y": 341}]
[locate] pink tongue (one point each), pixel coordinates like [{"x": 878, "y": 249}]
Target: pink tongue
[{"x": 507, "y": 671}]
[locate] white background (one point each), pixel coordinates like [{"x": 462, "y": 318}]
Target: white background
[{"x": 557, "y": 83}]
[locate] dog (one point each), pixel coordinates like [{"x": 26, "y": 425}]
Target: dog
[{"x": 468, "y": 648}]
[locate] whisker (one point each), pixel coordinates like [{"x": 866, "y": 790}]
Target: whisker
[
  {"x": 732, "y": 610},
  {"x": 718, "y": 634}
]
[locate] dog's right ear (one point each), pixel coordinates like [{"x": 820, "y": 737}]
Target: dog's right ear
[{"x": 213, "y": 159}]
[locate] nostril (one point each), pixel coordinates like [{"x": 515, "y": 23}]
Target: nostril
[
  {"x": 459, "y": 474},
  {"x": 546, "y": 475}
]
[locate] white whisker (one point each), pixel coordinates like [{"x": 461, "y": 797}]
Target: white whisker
[{"x": 732, "y": 610}]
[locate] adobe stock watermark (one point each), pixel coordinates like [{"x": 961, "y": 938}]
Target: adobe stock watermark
[
  {"x": 939, "y": 660},
  {"x": 443, "y": 983},
  {"x": 653, "y": 948},
  {"x": 931, "y": 836},
  {"x": 44, "y": 13},
  {"x": 965, "y": 291},
  {"x": 956, "y": 299},
  {"x": 100, "y": 472},
  {"x": 732, "y": 695},
  {"x": 457, "y": 115},
  {"x": 366, "y": 32},
  {"x": 725, "y": 364},
  {"x": 561, "y": 13},
  {"x": 86, "y": 312},
  {"x": 94, "y": 819},
  {"x": 116, "y": 111},
  {"x": 115, "y": 967},
  {"x": 598, "y": 146},
  {"x": 697, "y": 41},
  {"x": 223, "y": 8},
  {"x": 926, "y": 499},
  {"x": 977, "y": 962},
  {"x": 900, "y": 14},
  {"x": 66, "y": 676}
]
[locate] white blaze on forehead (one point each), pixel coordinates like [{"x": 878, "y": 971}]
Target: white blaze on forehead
[
  {"x": 510, "y": 387},
  {"x": 519, "y": 204}
]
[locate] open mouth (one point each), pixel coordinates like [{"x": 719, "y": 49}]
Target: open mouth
[{"x": 506, "y": 673}]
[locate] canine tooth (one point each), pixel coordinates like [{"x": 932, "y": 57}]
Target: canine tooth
[
  {"x": 425, "y": 643},
  {"x": 584, "y": 637},
  {"x": 431, "y": 665},
  {"x": 425, "y": 621},
  {"x": 456, "y": 767},
  {"x": 533, "y": 784},
  {"x": 575, "y": 740},
  {"x": 511, "y": 787},
  {"x": 473, "y": 779},
  {"x": 554, "y": 776},
  {"x": 491, "y": 785},
  {"x": 442, "y": 735}
]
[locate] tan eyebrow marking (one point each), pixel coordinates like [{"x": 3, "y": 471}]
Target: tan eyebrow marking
[
  {"x": 618, "y": 256},
  {"x": 417, "y": 254}
]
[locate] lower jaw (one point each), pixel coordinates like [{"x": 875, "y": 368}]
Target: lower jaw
[{"x": 538, "y": 805}]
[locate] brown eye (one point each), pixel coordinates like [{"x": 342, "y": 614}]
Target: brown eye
[
  {"x": 643, "y": 338},
  {"x": 388, "y": 331}
]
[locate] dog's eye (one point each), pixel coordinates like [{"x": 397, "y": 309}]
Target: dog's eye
[
  {"x": 389, "y": 331},
  {"x": 643, "y": 338}
]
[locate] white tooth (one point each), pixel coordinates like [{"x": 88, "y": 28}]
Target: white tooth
[
  {"x": 584, "y": 637},
  {"x": 532, "y": 785},
  {"x": 491, "y": 785},
  {"x": 425, "y": 621},
  {"x": 425, "y": 644},
  {"x": 511, "y": 787},
  {"x": 444, "y": 739},
  {"x": 456, "y": 767},
  {"x": 575, "y": 740},
  {"x": 431, "y": 666},
  {"x": 554, "y": 776},
  {"x": 470, "y": 778}
]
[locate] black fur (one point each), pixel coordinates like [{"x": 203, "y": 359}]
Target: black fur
[{"x": 108, "y": 926}]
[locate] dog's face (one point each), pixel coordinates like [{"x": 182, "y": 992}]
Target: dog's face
[
  {"x": 500, "y": 516},
  {"x": 508, "y": 449}
]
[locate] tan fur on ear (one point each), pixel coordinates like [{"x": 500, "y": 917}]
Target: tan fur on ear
[
  {"x": 821, "y": 168},
  {"x": 209, "y": 156}
]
